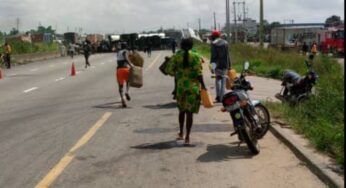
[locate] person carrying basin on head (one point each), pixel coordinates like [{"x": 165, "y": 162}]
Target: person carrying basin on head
[
  {"x": 122, "y": 72},
  {"x": 186, "y": 66}
]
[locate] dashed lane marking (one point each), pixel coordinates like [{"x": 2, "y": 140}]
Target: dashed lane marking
[
  {"x": 33, "y": 70},
  {"x": 153, "y": 62},
  {"x": 31, "y": 89},
  {"x": 60, "y": 79}
]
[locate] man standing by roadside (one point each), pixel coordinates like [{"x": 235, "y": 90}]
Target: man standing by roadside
[
  {"x": 305, "y": 48},
  {"x": 7, "y": 55},
  {"x": 222, "y": 63}
]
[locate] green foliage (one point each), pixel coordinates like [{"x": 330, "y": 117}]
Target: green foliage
[
  {"x": 321, "y": 118},
  {"x": 19, "y": 47},
  {"x": 333, "y": 21},
  {"x": 14, "y": 31},
  {"x": 42, "y": 29}
]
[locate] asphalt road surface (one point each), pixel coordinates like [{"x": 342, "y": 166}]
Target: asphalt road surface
[{"x": 63, "y": 131}]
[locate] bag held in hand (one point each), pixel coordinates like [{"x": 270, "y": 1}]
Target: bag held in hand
[
  {"x": 163, "y": 66},
  {"x": 206, "y": 98},
  {"x": 136, "y": 59},
  {"x": 136, "y": 77}
]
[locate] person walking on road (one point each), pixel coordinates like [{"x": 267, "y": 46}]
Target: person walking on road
[
  {"x": 87, "y": 52},
  {"x": 71, "y": 50},
  {"x": 7, "y": 55},
  {"x": 122, "y": 72},
  {"x": 222, "y": 63},
  {"x": 186, "y": 66},
  {"x": 149, "y": 48},
  {"x": 173, "y": 45}
]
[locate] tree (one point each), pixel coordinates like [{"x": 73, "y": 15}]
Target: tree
[
  {"x": 14, "y": 31},
  {"x": 333, "y": 21},
  {"x": 42, "y": 29}
]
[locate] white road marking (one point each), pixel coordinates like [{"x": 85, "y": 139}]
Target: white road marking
[
  {"x": 153, "y": 62},
  {"x": 33, "y": 70},
  {"x": 51, "y": 65},
  {"x": 31, "y": 89},
  {"x": 102, "y": 63},
  {"x": 93, "y": 67},
  {"x": 78, "y": 72},
  {"x": 12, "y": 75},
  {"x": 60, "y": 79}
]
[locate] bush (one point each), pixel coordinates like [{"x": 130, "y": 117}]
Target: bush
[{"x": 19, "y": 47}]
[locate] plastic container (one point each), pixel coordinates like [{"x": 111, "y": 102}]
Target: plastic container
[{"x": 206, "y": 99}]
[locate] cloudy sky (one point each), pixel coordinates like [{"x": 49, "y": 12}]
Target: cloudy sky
[{"x": 118, "y": 16}]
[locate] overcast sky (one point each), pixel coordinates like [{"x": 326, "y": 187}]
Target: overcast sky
[{"x": 118, "y": 16}]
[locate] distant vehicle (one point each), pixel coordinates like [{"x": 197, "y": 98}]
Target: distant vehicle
[
  {"x": 333, "y": 42},
  {"x": 71, "y": 37},
  {"x": 95, "y": 40}
]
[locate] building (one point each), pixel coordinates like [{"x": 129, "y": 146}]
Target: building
[
  {"x": 41, "y": 38},
  {"x": 296, "y": 34},
  {"x": 250, "y": 27},
  {"x": 19, "y": 37}
]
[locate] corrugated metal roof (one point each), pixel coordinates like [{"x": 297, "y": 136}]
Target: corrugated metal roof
[{"x": 301, "y": 26}]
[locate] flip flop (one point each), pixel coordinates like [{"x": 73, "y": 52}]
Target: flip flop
[
  {"x": 187, "y": 142},
  {"x": 179, "y": 137}
]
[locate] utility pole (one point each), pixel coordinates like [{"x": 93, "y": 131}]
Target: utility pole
[
  {"x": 261, "y": 24},
  {"x": 227, "y": 21},
  {"x": 214, "y": 21},
  {"x": 17, "y": 23},
  {"x": 235, "y": 23},
  {"x": 244, "y": 19}
]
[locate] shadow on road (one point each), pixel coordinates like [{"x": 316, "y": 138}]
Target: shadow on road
[
  {"x": 162, "y": 106},
  {"x": 164, "y": 145},
  {"x": 202, "y": 128},
  {"x": 112, "y": 105},
  {"x": 218, "y": 153}
]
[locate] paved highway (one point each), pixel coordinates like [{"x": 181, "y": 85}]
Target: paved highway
[{"x": 63, "y": 131}]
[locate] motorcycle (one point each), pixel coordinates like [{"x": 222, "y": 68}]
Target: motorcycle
[
  {"x": 296, "y": 88},
  {"x": 251, "y": 119}
]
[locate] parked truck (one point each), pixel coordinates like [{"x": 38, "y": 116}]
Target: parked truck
[
  {"x": 95, "y": 40},
  {"x": 71, "y": 37},
  {"x": 332, "y": 41}
]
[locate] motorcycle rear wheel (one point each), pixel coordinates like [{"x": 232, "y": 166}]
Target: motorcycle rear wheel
[{"x": 264, "y": 119}]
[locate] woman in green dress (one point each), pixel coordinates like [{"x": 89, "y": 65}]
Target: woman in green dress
[{"x": 186, "y": 66}]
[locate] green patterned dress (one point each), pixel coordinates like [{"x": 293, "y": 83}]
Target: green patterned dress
[{"x": 188, "y": 85}]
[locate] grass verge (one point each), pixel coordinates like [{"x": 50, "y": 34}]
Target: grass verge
[{"x": 321, "y": 118}]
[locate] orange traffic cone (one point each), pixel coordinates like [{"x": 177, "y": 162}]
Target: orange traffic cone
[
  {"x": 1, "y": 74},
  {"x": 73, "y": 70}
]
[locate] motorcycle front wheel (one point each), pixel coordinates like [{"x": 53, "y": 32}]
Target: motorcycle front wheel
[{"x": 248, "y": 134}]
